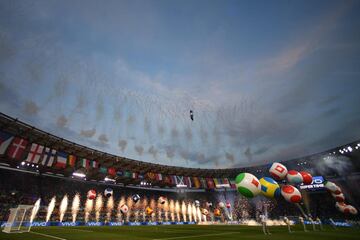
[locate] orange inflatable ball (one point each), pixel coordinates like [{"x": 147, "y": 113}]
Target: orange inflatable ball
[
  {"x": 217, "y": 212},
  {"x": 149, "y": 211}
]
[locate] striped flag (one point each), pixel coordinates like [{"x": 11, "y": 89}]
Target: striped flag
[
  {"x": 158, "y": 177},
  {"x": 203, "y": 183},
  {"x": 48, "y": 157},
  {"x": 71, "y": 160},
  {"x": 173, "y": 179},
  {"x": 135, "y": 175},
  {"x": 94, "y": 164},
  {"x": 187, "y": 181},
  {"x": 35, "y": 153},
  {"x": 85, "y": 163},
  {"x": 61, "y": 160},
  {"x": 5, "y": 140}
]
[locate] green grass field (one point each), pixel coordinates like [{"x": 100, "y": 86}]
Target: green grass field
[{"x": 191, "y": 232}]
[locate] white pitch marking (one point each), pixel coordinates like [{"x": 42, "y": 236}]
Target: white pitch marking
[
  {"x": 195, "y": 236},
  {"x": 77, "y": 229},
  {"x": 48, "y": 235}
]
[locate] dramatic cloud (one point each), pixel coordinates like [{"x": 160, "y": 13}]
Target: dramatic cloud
[
  {"x": 256, "y": 97},
  {"x": 88, "y": 133}
]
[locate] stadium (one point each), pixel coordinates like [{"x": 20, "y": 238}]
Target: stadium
[{"x": 167, "y": 120}]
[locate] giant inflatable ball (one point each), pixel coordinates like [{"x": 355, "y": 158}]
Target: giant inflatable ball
[
  {"x": 294, "y": 177},
  {"x": 91, "y": 194},
  {"x": 108, "y": 192},
  {"x": 291, "y": 194},
  {"x": 332, "y": 187},
  {"x": 124, "y": 209},
  {"x": 338, "y": 197},
  {"x": 248, "y": 185},
  {"x": 307, "y": 178},
  {"x": 269, "y": 187},
  {"x": 278, "y": 171}
]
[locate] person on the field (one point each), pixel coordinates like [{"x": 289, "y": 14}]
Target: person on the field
[
  {"x": 332, "y": 223},
  {"x": 301, "y": 219},
  {"x": 263, "y": 220},
  {"x": 320, "y": 223},
  {"x": 312, "y": 223},
  {"x": 287, "y": 221}
]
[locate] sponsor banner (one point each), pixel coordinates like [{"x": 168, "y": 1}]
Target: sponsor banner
[
  {"x": 316, "y": 184},
  {"x": 98, "y": 224}
]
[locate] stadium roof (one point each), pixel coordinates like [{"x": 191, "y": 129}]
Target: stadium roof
[{"x": 21, "y": 129}]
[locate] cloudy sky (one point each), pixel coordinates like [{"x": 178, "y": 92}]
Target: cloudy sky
[{"x": 267, "y": 80}]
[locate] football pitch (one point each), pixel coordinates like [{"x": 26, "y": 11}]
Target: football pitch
[{"x": 184, "y": 232}]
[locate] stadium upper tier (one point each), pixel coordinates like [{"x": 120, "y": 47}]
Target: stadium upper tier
[{"x": 331, "y": 162}]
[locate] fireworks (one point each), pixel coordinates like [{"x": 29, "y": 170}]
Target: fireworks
[{"x": 50, "y": 208}]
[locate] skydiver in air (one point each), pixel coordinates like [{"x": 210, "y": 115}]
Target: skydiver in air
[{"x": 191, "y": 115}]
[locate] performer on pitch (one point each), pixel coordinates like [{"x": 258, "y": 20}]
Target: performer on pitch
[
  {"x": 312, "y": 223},
  {"x": 301, "y": 219},
  {"x": 263, "y": 219},
  {"x": 320, "y": 223},
  {"x": 287, "y": 221}
]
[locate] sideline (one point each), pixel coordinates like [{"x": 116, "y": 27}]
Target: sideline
[{"x": 50, "y": 236}]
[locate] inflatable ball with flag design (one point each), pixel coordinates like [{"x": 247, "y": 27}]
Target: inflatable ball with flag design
[{"x": 248, "y": 185}]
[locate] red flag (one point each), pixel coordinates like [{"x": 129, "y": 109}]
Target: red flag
[
  {"x": 210, "y": 183},
  {"x": 17, "y": 148},
  {"x": 112, "y": 171}
]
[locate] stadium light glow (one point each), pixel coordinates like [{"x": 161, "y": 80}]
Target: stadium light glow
[
  {"x": 350, "y": 149},
  {"x": 106, "y": 179},
  {"x": 22, "y": 163},
  {"x": 79, "y": 174}
]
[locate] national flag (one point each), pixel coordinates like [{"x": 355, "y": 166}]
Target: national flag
[
  {"x": 48, "y": 157},
  {"x": 233, "y": 184},
  {"x": 128, "y": 174},
  {"x": 94, "y": 164},
  {"x": 196, "y": 182},
  {"x": 17, "y": 148},
  {"x": 173, "y": 179},
  {"x": 167, "y": 179},
  {"x": 187, "y": 181},
  {"x": 203, "y": 183},
  {"x": 216, "y": 181},
  {"x": 5, "y": 140},
  {"x": 158, "y": 177},
  {"x": 210, "y": 183},
  {"x": 151, "y": 175},
  {"x": 61, "y": 160},
  {"x": 180, "y": 180},
  {"x": 135, "y": 175},
  {"x": 112, "y": 171},
  {"x": 120, "y": 173},
  {"x": 226, "y": 182},
  {"x": 71, "y": 160},
  {"x": 85, "y": 163},
  {"x": 103, "y": 170},
  {"x": 35, "y": 153}
]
